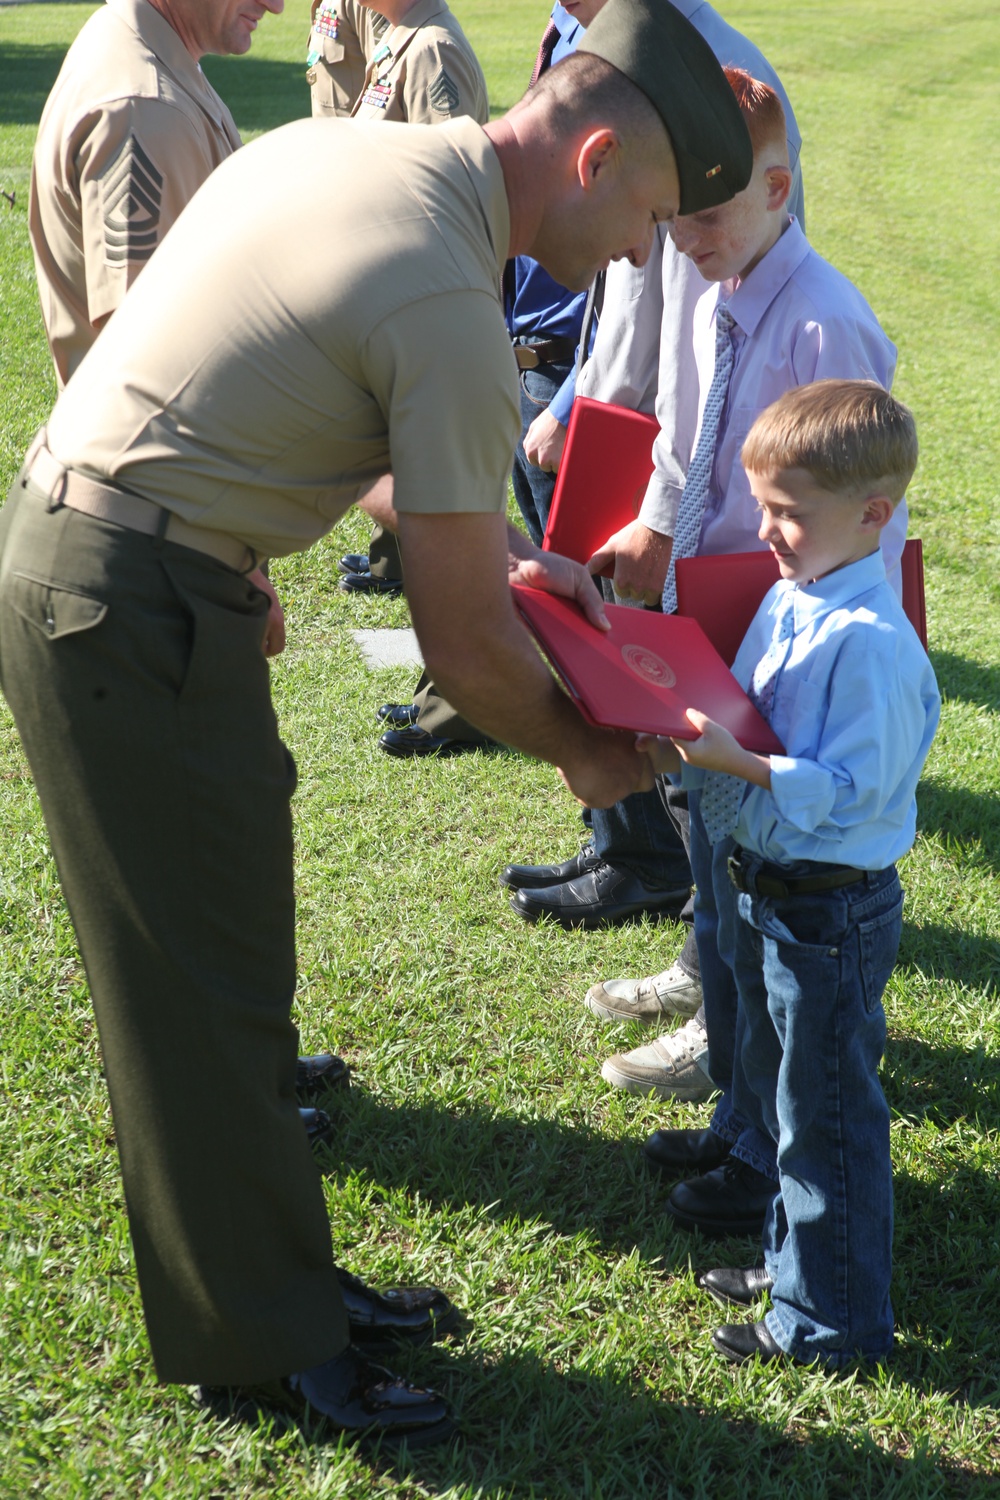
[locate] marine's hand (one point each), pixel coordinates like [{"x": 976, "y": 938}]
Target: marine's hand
[
  {"x": 544, "y": 442},
  {"x": 640, "y": 558},
  {"x": 609, "y": 771},
  {"x": 557, "y": 575},
  {"x": 662, "y": 752},
  {"x": 274, "y": 634}
]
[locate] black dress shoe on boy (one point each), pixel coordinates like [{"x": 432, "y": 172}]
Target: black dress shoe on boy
[
  {"x": 367, "y": 583},
  {"x": 318, "y": 1126},
  {"x": 354, "y": 562},
  {"x": 602, "y": 896},
  {"x": 731, "y": 1284},
  {"x": 677, "y": 1151},
  {"x": 534, "y": 877},
  {"x": 731, "y": 1199},
  {"x": 350, "y": 1395},
  {"x": 739, "y": 1342},
  {"x": 318, "y": 1074},
  {"x": 398, "y": 715},
  {"x": 416, "y": 1314},
  {"x": 412, "y": 741}
]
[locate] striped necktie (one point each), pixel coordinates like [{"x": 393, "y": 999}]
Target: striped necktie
[
  {"x": 721, "y": 794},
  {"x": 687, "y": 528}
]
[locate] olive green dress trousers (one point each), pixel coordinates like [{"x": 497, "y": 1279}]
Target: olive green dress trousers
[{"x": 135, "y": 675}]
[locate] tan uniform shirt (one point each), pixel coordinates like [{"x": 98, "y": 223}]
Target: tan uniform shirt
[
  {"x": 342, "y": 38},
  {"x": 424, "y": 71},
  {"x": 279, "y": 355},
  {"x": 129, "y": 133}
]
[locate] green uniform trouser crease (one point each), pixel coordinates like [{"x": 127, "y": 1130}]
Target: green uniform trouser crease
[{"x": 135, "y": 675}]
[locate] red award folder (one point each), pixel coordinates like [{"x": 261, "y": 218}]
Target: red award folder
[
  {"x": 723, "y": 593},
  {"x": 605, "y": 468},
  {"x": 643, "y": 674}
]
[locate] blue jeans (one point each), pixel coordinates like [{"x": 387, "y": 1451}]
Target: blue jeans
[
  {"x": 715, "y": 921},
  {"x": 637, "y": 834},
  {"x": 533, "y": 486},
  {"x": 811, "y": 971}
]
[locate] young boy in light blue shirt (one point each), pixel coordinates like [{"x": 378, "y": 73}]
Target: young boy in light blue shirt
[{"x": 835, "y": 666}]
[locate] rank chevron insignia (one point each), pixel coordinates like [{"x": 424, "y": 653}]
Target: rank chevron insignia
[
  {"x": 443, "y": 94},
  {"x": 131, "y": 200}
]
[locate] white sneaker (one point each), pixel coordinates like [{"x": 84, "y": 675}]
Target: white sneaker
[
  {"x": 672, "y": 1067},
  {"x": 672, "y": 993}
]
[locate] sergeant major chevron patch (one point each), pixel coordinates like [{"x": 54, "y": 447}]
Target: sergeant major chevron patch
[{"x": 131, "y": 200}]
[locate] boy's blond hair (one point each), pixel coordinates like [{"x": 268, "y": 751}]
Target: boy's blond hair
[{"x": 846, "y": 434}]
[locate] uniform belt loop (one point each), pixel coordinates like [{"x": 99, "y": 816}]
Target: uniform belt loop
[{"x": 162, "y": 522}]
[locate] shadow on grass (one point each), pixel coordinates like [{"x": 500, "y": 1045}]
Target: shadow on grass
[
  {"x": 28, "y": 72},
  {"x": 577, "y": 1182},
  {"x": 261, "y": 93},
  {"x": 965, "y": 819},
  {"x": 949, "y": 953},
  {"x": 941, "y": 1084},
  {"x": 528, "y": 1430},
  {"x": 968, "y": 680}
]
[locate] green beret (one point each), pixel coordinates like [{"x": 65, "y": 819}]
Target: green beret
[{"x": 662, "y": 53}]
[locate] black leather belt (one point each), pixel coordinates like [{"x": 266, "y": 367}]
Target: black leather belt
[
  {"x": 794, "y": 885},
  {"x": 534, "y": 352}
]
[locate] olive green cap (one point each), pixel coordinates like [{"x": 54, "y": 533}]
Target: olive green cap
[{"x": 663, "y": 55}]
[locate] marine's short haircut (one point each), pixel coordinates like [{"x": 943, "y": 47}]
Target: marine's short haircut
[
  {"x": 760, "y": 107},
  {"x": 847, "y": 435},
  {"x": 585, "y": 90}
]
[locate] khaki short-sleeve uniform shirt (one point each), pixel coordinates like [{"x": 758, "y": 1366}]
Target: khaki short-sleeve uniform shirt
[
  {"x": 424, "y": 71},
  {"x": 131, "y": 130},
  {"x": 342, "y": 38},
  {"x": 277, "y": 356}
]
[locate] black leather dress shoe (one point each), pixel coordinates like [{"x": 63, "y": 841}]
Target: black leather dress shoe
[
  {"x": 354, "y": 562},
  {"x": 397, "y": 715},
  {"x": 416, "y": 1314},
  {"x": 367, "y": 583},
  {"x": 731, "y": 1199},
  {"x": 350, "y": 1395},
  {"x": 730, "y": 1284},
  {"x": 601, "y": 897},
  {"x": 413, "y": 741},
  {"x": 677, "y": 1151},
  {"x": 318, "y": 1074},
  {"x": 318, "y": 1126},
  {"x": 534, "y": 877},
  {"x": 739, "y": 1342}
]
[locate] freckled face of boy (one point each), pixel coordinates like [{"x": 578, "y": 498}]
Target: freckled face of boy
[
  {"x": 728, "y": 241},
  {"x": 812, "y": 532}
]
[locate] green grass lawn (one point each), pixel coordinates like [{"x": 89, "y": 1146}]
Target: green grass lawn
[{"x": 480, "y": 1147}]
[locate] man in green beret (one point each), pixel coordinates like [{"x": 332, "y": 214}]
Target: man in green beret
[{"x": 276, "y": 360}]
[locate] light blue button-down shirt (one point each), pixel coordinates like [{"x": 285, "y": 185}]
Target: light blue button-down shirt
[
  {"x": 797, "y": 320},
  {"x": 855, "y": 706}
]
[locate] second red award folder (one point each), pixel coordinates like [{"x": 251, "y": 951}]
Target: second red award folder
[
  {"x": 645, "y": 673},
  {"x": 605, "y": 468}
]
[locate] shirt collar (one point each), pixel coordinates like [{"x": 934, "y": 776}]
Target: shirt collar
[
  {"x": 417, "y": 16},
  {"x": 769, "y": 277},
  {"x": 162, "y": 40},
  {"x": 838, "y": 589},
  {"x": 564, "y": 22}
]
